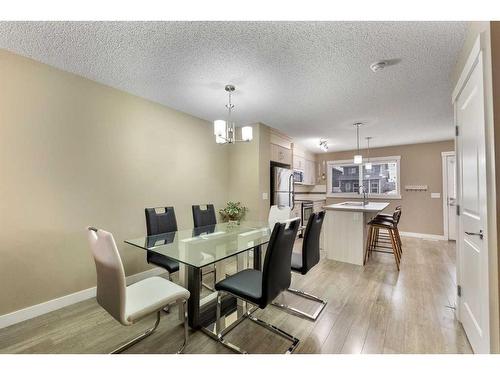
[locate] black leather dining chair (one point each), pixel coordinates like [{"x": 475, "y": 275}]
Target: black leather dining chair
[
  {"x": 302, "y": 262},
  {"x": 158, "y": 223},
  {"x": 204, "y": 217},
  {"x": 260, "y": 288}
]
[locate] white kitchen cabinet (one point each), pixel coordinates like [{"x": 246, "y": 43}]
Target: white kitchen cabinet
[
  {"x": 280, "y": 139},
  {"x": 281, "y": 154},
  {"x": 309, "y": 172},
  {"x": 305, "y": 161},
  {"x": 299, "y": 162}
]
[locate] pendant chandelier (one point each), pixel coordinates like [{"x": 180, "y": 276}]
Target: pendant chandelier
[
  {"x": 368, "y": 165},
  {"x": 225, "y": 130},
  {"x": 358, "y": 159}
]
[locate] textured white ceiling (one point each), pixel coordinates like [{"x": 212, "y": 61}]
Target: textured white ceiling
[{"x": 307, "y": 79}]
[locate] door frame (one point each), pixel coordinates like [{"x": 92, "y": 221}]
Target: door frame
[
  {"x": 481, "y": 50},
  {"x": 444, "y": 155}
]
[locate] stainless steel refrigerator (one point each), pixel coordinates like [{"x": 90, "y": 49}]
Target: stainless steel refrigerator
[{"x": 282, "y": 187}]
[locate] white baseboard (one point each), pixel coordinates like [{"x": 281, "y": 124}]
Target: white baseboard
[
  {"x": 424, "y": 236},
  {"x": 58, "y": 303}
]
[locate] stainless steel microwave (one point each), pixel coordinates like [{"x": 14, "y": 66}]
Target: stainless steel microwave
[{"x": 298, "y": 176}]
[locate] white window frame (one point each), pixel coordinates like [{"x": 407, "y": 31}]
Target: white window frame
[{"x": 347, "y": 163}]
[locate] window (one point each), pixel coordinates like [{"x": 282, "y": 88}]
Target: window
[
  {"x": 382, "y": 181},
  {"x": 345, "y": 178}
]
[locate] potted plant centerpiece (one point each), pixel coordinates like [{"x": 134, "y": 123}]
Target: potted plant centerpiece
[{"x": 233, "y": 212}]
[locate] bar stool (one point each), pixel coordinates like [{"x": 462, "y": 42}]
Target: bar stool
[
  {"x": 384, "y": 237},
  {"x": 374, "y": 241}
]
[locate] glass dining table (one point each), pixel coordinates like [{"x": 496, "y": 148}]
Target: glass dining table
[{"x": 200, "y": 247}]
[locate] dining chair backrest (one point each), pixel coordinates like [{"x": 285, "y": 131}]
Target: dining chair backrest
[
  {"x": 160, "y": 222},
  {"x": 396, "y": 216},
  {"x": 310, "y": 243},
  {"x": 278, "y": 215},
  {"x": 111, "y": 285},
  {"x": 276, "y": 271},
  {"x": 204, "y": 217}
]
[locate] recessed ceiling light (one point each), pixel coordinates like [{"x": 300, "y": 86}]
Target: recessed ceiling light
[{"x": 379, "y": 65}]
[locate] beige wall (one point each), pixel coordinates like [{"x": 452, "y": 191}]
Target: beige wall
[
  {"x": 249, "y": 165},
  {"x": 74, "y": 152},
  {"x": 420, "y": 165}
]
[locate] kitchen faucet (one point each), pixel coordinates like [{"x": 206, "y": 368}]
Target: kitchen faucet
[{"x": 365, "y": 194}]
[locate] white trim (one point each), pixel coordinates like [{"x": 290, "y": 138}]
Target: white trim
[
  {"x": 423, "y": 236},
  {"x": 444, "y": 170},
  {"x": 67, "y": 300},
  {"x": 467, "y": 70}
]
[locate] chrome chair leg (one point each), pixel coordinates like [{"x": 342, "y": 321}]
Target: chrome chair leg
[
  {"x": 301, "y": 313},
  {"x": 152, "y": 329},
  {"x": 220, "y": 334},
  {"x": 140, "y": 337},
  {"x": 294, "y": 340},
  {"x": 186, "y": 326}
]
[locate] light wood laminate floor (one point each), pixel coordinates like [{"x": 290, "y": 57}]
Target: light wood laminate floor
[{"x": 371, "y": 309}]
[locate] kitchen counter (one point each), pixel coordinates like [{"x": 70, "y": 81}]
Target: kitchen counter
[
  {"x": 346, "y": 229},
  {"x": 310, "y": 199},
  {"x": 358, "y": 207}
]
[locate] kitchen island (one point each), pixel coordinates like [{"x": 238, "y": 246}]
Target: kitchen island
[{"x": 345, "y": 229}]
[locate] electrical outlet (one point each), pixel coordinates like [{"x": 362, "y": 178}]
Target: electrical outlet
[{"x": 264, "y": 196}]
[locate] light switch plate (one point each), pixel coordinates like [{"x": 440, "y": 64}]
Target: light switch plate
[
  {"x": 436, "y": 195},
  {"x": 264, "y": 196}
]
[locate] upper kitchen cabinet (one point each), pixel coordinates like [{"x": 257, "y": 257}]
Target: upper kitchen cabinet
[
  {"x": 310, "y": 172},
  {"x": 305, "y": 162},
  {"x": 281, "y": 148},
  {"x": 299, "y": 162}
]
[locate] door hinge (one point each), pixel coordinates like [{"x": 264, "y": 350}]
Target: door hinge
[
  {"x": 456, "y": 131},
  {"x": 458, "y": 210},
  {"x": 459, "y": 291}
]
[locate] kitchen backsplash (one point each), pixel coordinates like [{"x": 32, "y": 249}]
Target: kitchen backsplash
[{"x": 308, "y": 189}]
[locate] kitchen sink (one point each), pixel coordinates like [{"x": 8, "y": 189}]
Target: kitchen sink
[{"x": 358, "y": 204}]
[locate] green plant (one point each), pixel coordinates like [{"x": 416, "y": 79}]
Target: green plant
[{"x": 233, "y": 211}]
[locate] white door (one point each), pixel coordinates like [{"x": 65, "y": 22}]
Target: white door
[
  {"x": 451, "y": 197},
  {"x": 473, "y": 303}
]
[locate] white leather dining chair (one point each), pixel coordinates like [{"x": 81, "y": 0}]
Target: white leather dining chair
[
  {"x": 128, "y": 304},
  {"x": 280, "y": 215}
]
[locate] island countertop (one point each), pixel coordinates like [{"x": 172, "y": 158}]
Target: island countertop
[{"x": 357, "y": 207}]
